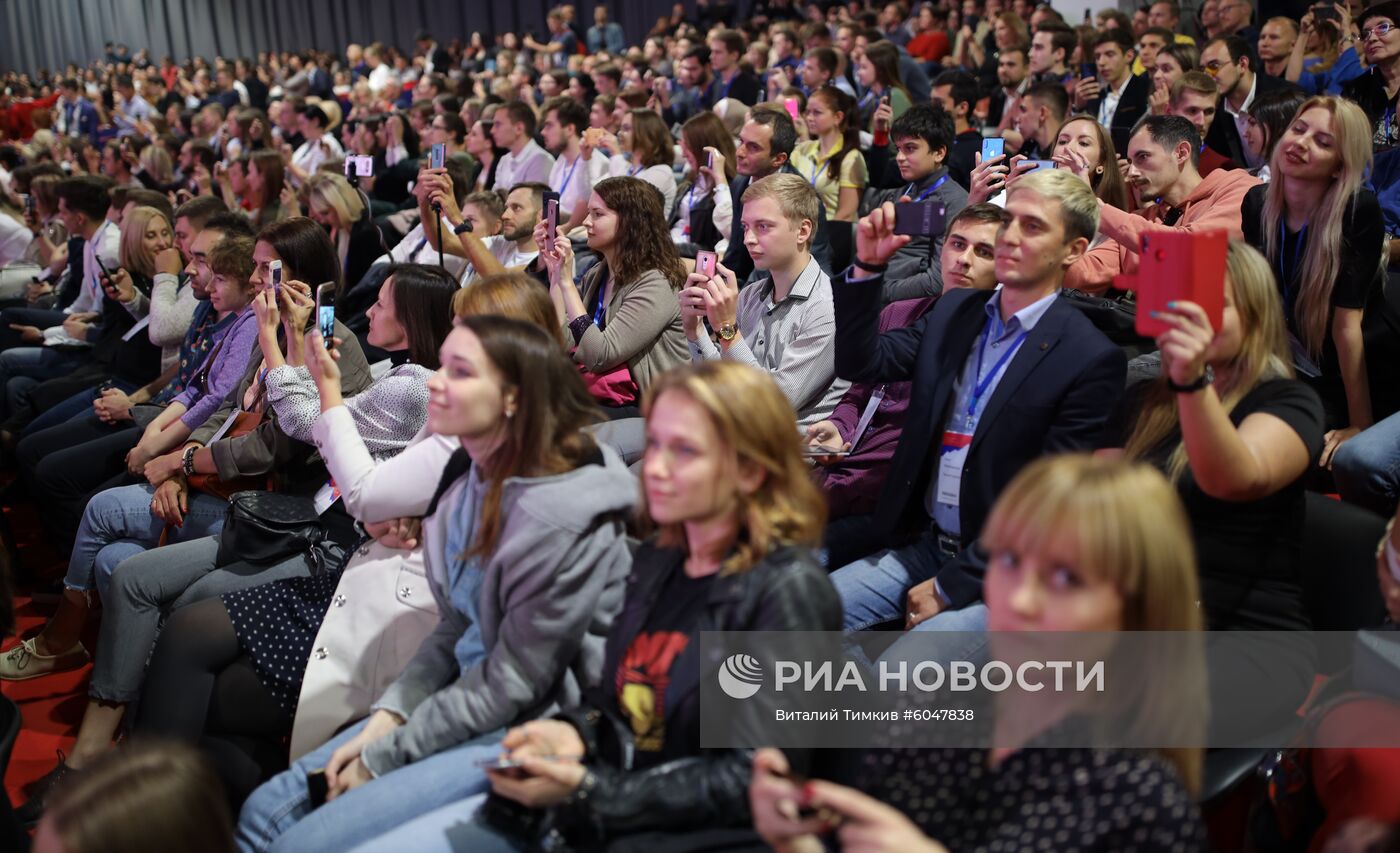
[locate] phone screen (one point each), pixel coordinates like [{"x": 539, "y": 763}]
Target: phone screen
[
  {"x": 705, "y": 263},
  {"x": 439, "y": 156},
  {"x": 919, "y": 218},
  {"x": 275, "y": 269},
  {"x": 993, "y": 148},
  {"x": 325, "y": 311}
]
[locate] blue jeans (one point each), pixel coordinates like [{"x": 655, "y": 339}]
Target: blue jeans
[
  {"x": 1367, "y": 468},
  {"x": 33, "y": 364},
  {"x": 873, "y": 589},
  {"x": 118, "y": 523},
  {"x": 451, "y": 828},
  {"x": 278, "y": 815}
]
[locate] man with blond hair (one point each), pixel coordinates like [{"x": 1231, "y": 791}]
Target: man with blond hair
[
  {"x": 784, "y": 323},
  {"x": 1001, "y": 377}
]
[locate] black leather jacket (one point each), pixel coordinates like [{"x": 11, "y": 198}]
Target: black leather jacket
[{"x": 787, "y": 591}]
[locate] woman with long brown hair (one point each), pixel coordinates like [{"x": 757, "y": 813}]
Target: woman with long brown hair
[
  {"x": 644, "y": 150},
  {"x": 877, "y": 70},
  {"x": 265, "y": 176},
  {"x": 625, "y": 322},
  {"x": 832, "y": 161},
  {"x": 1085, "y": 147},
  {"x": 526, "y": 556},
  {"x": 704, "y": 214}
]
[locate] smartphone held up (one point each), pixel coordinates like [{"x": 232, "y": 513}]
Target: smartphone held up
[
  {"x": 325, "y": 312},
  {"x": 1178, "y": 267}
]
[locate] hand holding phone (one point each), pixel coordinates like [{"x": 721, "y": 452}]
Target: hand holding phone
[
  {"x": 992, "y": 148},
  {"x": 325, "y": 312},
  {"x": 705, "y": 263},
  {"x": 919, "y": 218},
  {"x": 790, "y": 104},
  {"x": 551, "y": 220},
  {"x": 438, "y": 157}
]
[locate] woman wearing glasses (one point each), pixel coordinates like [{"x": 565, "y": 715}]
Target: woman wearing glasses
[{"x": 1375, "y": 91}]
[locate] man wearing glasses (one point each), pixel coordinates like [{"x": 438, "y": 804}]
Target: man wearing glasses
[
  {"x": 1230, "y": 61},
  {"x": 1234, "y": 20}
]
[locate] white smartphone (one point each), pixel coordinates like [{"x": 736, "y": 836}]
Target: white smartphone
[{"x": 275, "y": 269}]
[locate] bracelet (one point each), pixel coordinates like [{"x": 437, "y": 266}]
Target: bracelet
[
  {"x": 464, "y": 226},
  {"x": 187, "y": 462},
  {"x": 579, "y": 325},
  {"x": 875, "y": 268}
]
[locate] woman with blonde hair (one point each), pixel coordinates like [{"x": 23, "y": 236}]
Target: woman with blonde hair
[
  {"x": 341, "y": 210},
  {"x": 736, "y": 521},
  {"x": 1077, "y": 544},
  {"x": 1323, "y": 234},
  {"x": 704, "y": 214},
  {"x": 1235, "y": 433},
  {"x": 155, "y": 160}
]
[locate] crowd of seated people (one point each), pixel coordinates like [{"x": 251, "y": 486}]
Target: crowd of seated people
[{"x": 793, "y": 316}]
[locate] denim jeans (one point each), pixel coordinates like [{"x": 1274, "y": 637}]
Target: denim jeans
[
  {"x": 75, "y": 406},
  {"x": 153, "y": 583},
  {"x": 449, "y": 829},
  {"x": 118, "y": 523},
  {"x": 278, "y": 816},
  {"x": 36, "y": 364},
  {"x": 1367, "y": 468},
  {"x": 874, "y": 591}
]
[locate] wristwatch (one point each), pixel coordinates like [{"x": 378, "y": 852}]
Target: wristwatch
[
  {"x": 727, "y": 332},
  {"x": 187, "y": 462},
  {"x": 463, "y": 228},
  {"x": 1207, "y": 376}
]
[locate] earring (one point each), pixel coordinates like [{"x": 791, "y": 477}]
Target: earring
[{"x": 1098, "y": 171}]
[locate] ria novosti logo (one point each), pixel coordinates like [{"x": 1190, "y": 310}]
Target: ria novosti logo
[{"x": 740, "y": 676}]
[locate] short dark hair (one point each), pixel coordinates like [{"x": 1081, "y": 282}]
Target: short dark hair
[
  {"x": 228, "y": 223},
  {"x": 1238, "y": 49},
  {"x": 784, "y": 131},
  {"x": 733, "y": 40},
  {"x": 536, "y": 189},
  {"x": 1386, "y": 9},
  {"x": 927, "y": 122},
  {"x": 151, "y": 198},
  {"x": 456, "y": 128},
  {"x": 700, "y": 52},
  {"x": 89, "y": 195},
  {"x": 1169, "y": 132},
  {"x": 518, "y": 112},
  {"x": 984, "y": 213},
  {"x": 567, "y": 111},
  {"x": 964, "y": 88},
  {"x": 1166, "y": 35},
  {"x": 1062, "y": 36},
  {"x": 610, "y": 71},
  {"x": 317, "y": 115},
  {"x": 1122, "y": 38},
  {"x": 123, "y": 81},
  {"x": 827, "y": 59},
  {"x": 232, "y": 256},
  {"x": 205, "y": 154},
  {"x": 1052, "y": 95}
]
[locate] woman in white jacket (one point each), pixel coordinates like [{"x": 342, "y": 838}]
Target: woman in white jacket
[{"x": 254, "y": 645}]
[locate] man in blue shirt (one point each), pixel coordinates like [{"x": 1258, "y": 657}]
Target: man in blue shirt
[
  {"x": 1000, "y": 378},
  {"x": 605, "y": 35}
]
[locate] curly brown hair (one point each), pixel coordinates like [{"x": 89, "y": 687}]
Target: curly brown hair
[{"x": 642, "y": 224}]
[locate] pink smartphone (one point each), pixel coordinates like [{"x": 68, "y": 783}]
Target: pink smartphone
[
  {"x": 705, "y": 264},
  {"x": 791, "y": 104}
]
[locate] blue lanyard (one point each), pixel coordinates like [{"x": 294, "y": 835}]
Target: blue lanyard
[
  {"x": 909, "y": 191},
  {"x": 598, "y": 312},
  {"x": 981, "y": 383},
  {"x": 633, "y": 171},
  {"x": 1286, "y": 268},
  {"x": 819, "y": 166},
  {"x": 570, "y": 176}
]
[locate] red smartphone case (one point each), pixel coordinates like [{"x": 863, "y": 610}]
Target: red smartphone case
[{"x": 1178, "y": 266}]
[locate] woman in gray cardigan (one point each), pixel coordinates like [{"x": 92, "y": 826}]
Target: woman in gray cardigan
[
  {"x": 625, "y": 325},
  {"x": 526, "y": 556}
]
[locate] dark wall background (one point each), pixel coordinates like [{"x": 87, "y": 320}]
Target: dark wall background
[{"x": 50, "y": 33}]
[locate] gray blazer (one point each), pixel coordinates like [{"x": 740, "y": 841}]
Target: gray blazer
[
  {"x": 643, "y": 328},
  {"x": 296, "y": 465},
  {"x": 551, "y": 589}
]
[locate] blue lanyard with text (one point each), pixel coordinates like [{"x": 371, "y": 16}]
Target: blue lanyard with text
[
  {"x": 981, "y": 383},
  {"x": 909, "y": 191},
  {"x": 598, "y": 312},
  {"x": 819, "y": 165}
]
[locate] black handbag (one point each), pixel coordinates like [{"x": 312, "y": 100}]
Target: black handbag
[{"x": 264, "y": 527}]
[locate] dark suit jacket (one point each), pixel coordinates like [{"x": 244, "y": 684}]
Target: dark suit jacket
[
  {"x": 1131, "y": 107},
  {"x": 1223, "y": 136},
  {"x": 1062, "y": 392}
]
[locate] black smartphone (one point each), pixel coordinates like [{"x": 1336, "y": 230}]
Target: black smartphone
[
  {"x": 1323, "y": 12},
  {"x": 1088, "y": 69},
  {"x": 316, "y": 787},
  {"x": 325, "y": 312},
  {"x": 919, "y": 218}
]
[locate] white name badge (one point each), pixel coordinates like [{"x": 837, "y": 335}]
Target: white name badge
[{"x": 952, "y": 456}]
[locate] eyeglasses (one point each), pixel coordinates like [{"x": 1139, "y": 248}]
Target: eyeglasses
[
  {"x": 1380, "y": 30},
  {"x": 1213, "y": 67}
]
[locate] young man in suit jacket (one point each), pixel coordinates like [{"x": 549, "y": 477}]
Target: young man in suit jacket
[
  {"x": 1000, "y": 378},
  {"x": 1230, "y": 60},
  {"x": 1114, "y": 94}
]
